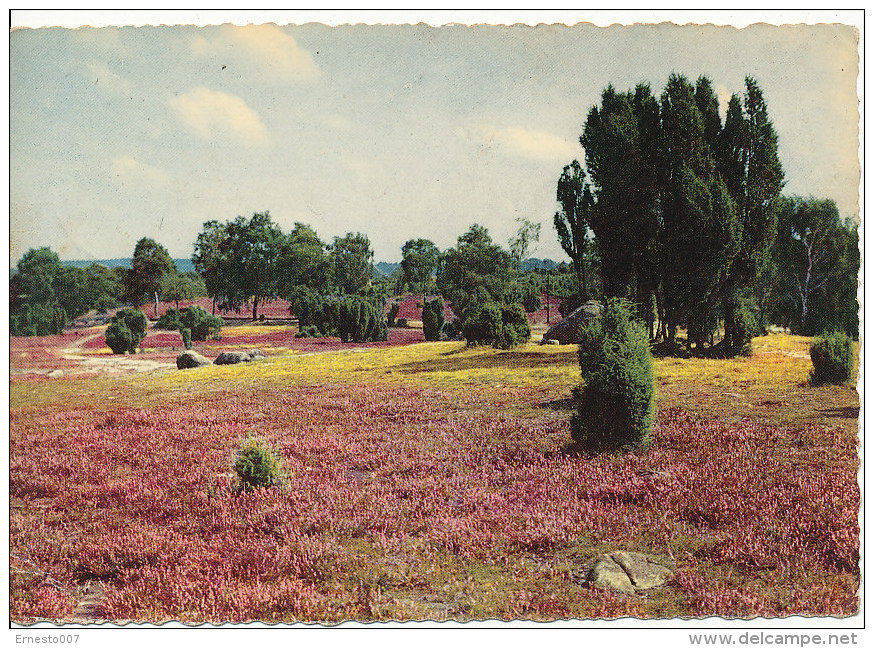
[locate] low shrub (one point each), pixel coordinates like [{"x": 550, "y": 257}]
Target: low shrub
[
  {"x": 453, "y": 329},
  {"x": 359, "y": 320},
  {"x": 202, "y": 324},
  {"x": 257, "y": 466},
  {"x": 432, "y": 319},
  {"x": 569, "y": 304},
  {"x": 615, "y": 404},
  {"x": 484, "y": 326},
  {"x": 515, "y": 329},
  {"x": 309, "y": 331},
  {"x": 39, "y": 320},
  {"x": 401, "y": 322},
  {"x": 186, "y": 337},
  {"x": 169, "y": 320},
  {"x": 526, "y": 293},
  {"x": 741, "y": 327},
  {"x": 314, "y": 310},
  {"x": 500, "y": 325},
  {"x": 832, "y": 358},
  {"x": 126, "y": 330}
]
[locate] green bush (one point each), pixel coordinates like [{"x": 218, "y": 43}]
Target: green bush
[
  {"x": 38, "y": 319},
  {"x": 500, "y": 325},
  {"x": 569, "y": 304},
  {"x": 401, "y": 322},
  {"x": 186, "y": 337},
  {"x": 393, "y": 313},
  {"x": 525, "y": 292},
  {"x": 203, "y": 325},
  {"x": 515, "y": 329},
  {"x": 126, "y": 330},
  {"x": 169, "y": 320},
  {"x": 359, "y": 320},
  {"x": 309, "y": 331},
  {"x": 432, "y": 319},
  {"x": 314, "y": 310},
  {"x": 484, "y": 325},
  {"x": 832, "y": 357},
  {"x": 741, "y": 327},
  {"x": 453, "y": 329},
  {"x": 615, "y": 404},
  {"x": 257, "y": 466}
]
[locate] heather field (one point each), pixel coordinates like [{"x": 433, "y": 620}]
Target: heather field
[{"x": 422, "y": 481}]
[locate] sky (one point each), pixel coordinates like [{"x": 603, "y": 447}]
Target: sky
[{"x": 399, "y": 132}]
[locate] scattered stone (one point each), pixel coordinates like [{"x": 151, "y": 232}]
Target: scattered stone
[
  {"x": 233, "y": 357},
  {"x": 256, "y": 354},
  {"x": 190, "y": 360},
  {"x": 569, "y": 330},
  {"x": 608, "y": 574},
  {"x": 57, "y": 373},
  {"x": 644, "y": 572},
  {"x": 552, "y": 341},
  {"x": 628, "y": 572}
]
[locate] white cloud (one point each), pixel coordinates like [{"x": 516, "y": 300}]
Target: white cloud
[
  {"x": 136, "y": 174},
  {"x": 257, "y": 50},
  {"x": 211, "y": 114},
  {"x": 519, "y": 142}
]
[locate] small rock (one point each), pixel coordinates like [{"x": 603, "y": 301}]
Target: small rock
[
  {"x": 643, "y": 571},
  {"x": 552, "y": 342},
  {"x": 606, "y": 573},
  {"x": 256, "y": 354},
  {"x": 628, "y": 572},
  {"x": 57, "y": 373},
  {"x": 232, "y": 357},
  {"x": 190, "y": 360}
]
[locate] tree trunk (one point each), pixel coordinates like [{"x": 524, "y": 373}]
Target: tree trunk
[
  {"x": 580, "y": 267},
  {"x": 156, "y": 305},
  {"x": 255, "y": 309},
  {"x": 547, "y": 298}
]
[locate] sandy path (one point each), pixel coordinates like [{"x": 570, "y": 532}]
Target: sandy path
[{"x": 110, "y": 364}]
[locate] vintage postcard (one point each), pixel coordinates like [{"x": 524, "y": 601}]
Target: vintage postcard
[{"x": 428, "y": 318}]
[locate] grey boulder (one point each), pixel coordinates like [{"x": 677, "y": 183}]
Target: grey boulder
[
  {"x": 191, "y": 360},
  {"x": 233, "y": 357},
  {"x": 569, "y": 330}
]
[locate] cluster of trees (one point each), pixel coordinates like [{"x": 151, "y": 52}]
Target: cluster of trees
[
  {"x": 682, "y": 213},
  {"x": 251, "y": 260},
  {"x": 45, "y": 294}
]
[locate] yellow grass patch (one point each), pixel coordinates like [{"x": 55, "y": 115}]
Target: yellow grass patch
[{"x": 451, "y": 364}]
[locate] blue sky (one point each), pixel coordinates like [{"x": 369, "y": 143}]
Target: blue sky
[{"x": 396, "y": 131}]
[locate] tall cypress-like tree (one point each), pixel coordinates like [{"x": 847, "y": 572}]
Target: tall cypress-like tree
[
  {"x": 756, "y": 176},
  {"x": 682, "y": 205},
  {"x": 620, "y": 141},
  {"x": 574, "y": 195}
]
